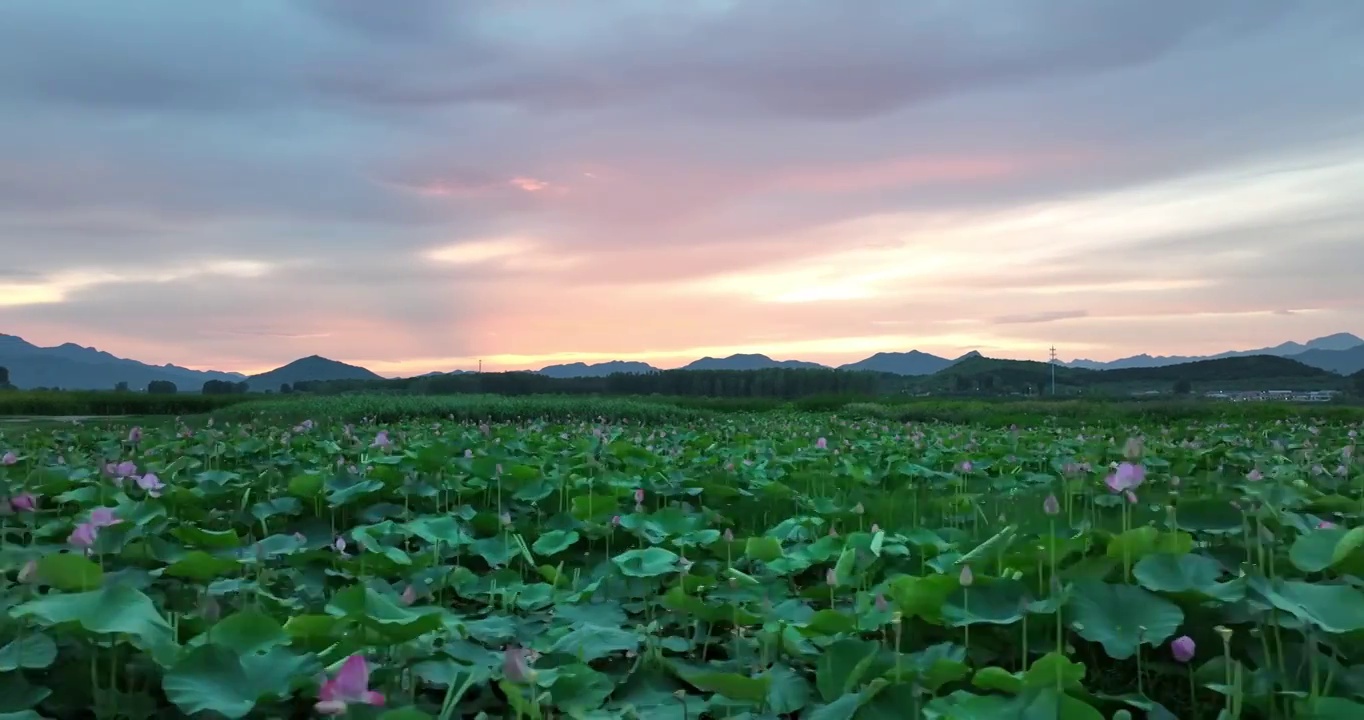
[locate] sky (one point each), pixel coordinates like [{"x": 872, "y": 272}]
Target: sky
[{"x": 421, "y": 185}]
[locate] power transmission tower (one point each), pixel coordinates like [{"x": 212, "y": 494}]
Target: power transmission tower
[{"x": 1053, "y": 370}]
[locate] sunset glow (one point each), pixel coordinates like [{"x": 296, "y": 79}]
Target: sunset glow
[{"x": 421, "y": 188}]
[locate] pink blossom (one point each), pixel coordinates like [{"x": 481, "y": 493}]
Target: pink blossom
[
  {"x": 1131, "y": 497},
  {"x": 1255, "y": 475},
  {"x": 135, "y": 435},
  {"x": 9, "y": 458},
  {"x": 615, "y": 521},
  {"x": 84, "y": 535},
  {"x": 967, "y": 466},
  {"x": 381, "y": 440},
  {"x": 1183, "y": 648},
  {"x": 340, "y": 545},
  {"x": 967, "y": 578},
  {"x": 103, "y": 517},
  {"x": 152, "y": 484},
  {"x": 639, "y": 495},
  {"x": 516, "y": 664},
  {"x": 24, "y": 502},
  {"x": 409, "y": 595},
  {"x": 350, "y": 685},
  {"x": 1051, "y": 506},
  {"x": 1325, "y": 525},
  {"x": 822, "y": 444},
  {"x": 1126, "y": 477},
  {"x": 29, "y": 571},
  {"x": 729, "y": 535}
]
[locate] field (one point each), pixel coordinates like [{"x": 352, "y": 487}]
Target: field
[{"x": 619, "y": 558}]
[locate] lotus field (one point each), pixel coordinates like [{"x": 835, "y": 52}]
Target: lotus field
[{"x": 741, "y": 566}]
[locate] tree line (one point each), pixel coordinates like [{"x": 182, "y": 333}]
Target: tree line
[{"x": 772, "y": 382}]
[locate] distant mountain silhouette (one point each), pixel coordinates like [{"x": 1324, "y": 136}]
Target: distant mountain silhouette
[
  {"x": 1330, "y": 343},
  {"x": 311, "y": 368},
  {"x": 72, "y": 367},
  {"x": 747, "y": 361},
  {"x": 1345, "y": 362},
  {"x": 901, "y": 363},
  {"x": 602, "y": 369}
]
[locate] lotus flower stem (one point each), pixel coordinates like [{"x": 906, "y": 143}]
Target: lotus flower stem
[{"x": 1193, "y": 692}]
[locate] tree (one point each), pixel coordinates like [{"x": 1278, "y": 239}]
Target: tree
[
  {"x": 4, "y": 377},
  {"x": 161, "y": 387},
  {"x": 285, "y": 388},
  {"x": 1183, "y": 386},
  {"x": 1359, "y": 384},
  {"x": 224, "y": 387},
  {"x": 122, "y": 386}
]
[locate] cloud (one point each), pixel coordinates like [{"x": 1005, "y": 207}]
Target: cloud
[
  {"x": 516, "y": 181},
  {"x": 1040, "y": 317}
]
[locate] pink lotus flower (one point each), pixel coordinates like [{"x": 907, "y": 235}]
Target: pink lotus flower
[
  {"x": 84, "y": 535},
  {"x": 1126, "y": 477},
  {"x": 349, "y": 685},
  {"x": 1051, "y": 506},
  {"x": 381, "y": 440},
  {"x": 1183, "y": 648},
  {"x": 967, "y": 466},
  {"x": 1255, "y": 475},
  {"x": 516, "y": 664},
  {"x": 639, "y": 495},
  {"x": 103, "y": 517},
  {"x": 340, "y": 545},
  {"x": 9, "y": 458},
  {"x": 822, "y": 444},
  {"x": 1325, "y": 525},
  {"x": 830, "y": 578},
  {"x": 135, "y": 435},
  {"x": 29, "y": 571},
  {"x": 152, "y": 484},
  {"x": 409, "y": 595},
  {"x": 967, "y": 578},
  {"x": 118, "y": 471},
  {"x": 24, "y": 502},
  {"x": 728, "y": 535}
]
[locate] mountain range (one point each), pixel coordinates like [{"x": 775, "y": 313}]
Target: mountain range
[{"x": 74, "y": 367}]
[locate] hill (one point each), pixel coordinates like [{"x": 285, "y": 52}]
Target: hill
[
  {"x": 1345, "y": 362},
  {"x": 73, "y": 367},
  {"x": 1255, "y": 372},
  {"x": 313, "y": 368},
  {"x": 901, "y": 363},
  {"x": 748, "y": 361},
  {"x": 602, "y": 369},
  {"x": 1329, "y": 343}
]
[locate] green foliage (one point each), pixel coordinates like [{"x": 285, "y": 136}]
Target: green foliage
[
  {"x": 224, "y": 387},
  {"x": 82, "y": 403},
  {"x": 757, "y": 571},
  {"x": 161, "y": 387}
]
